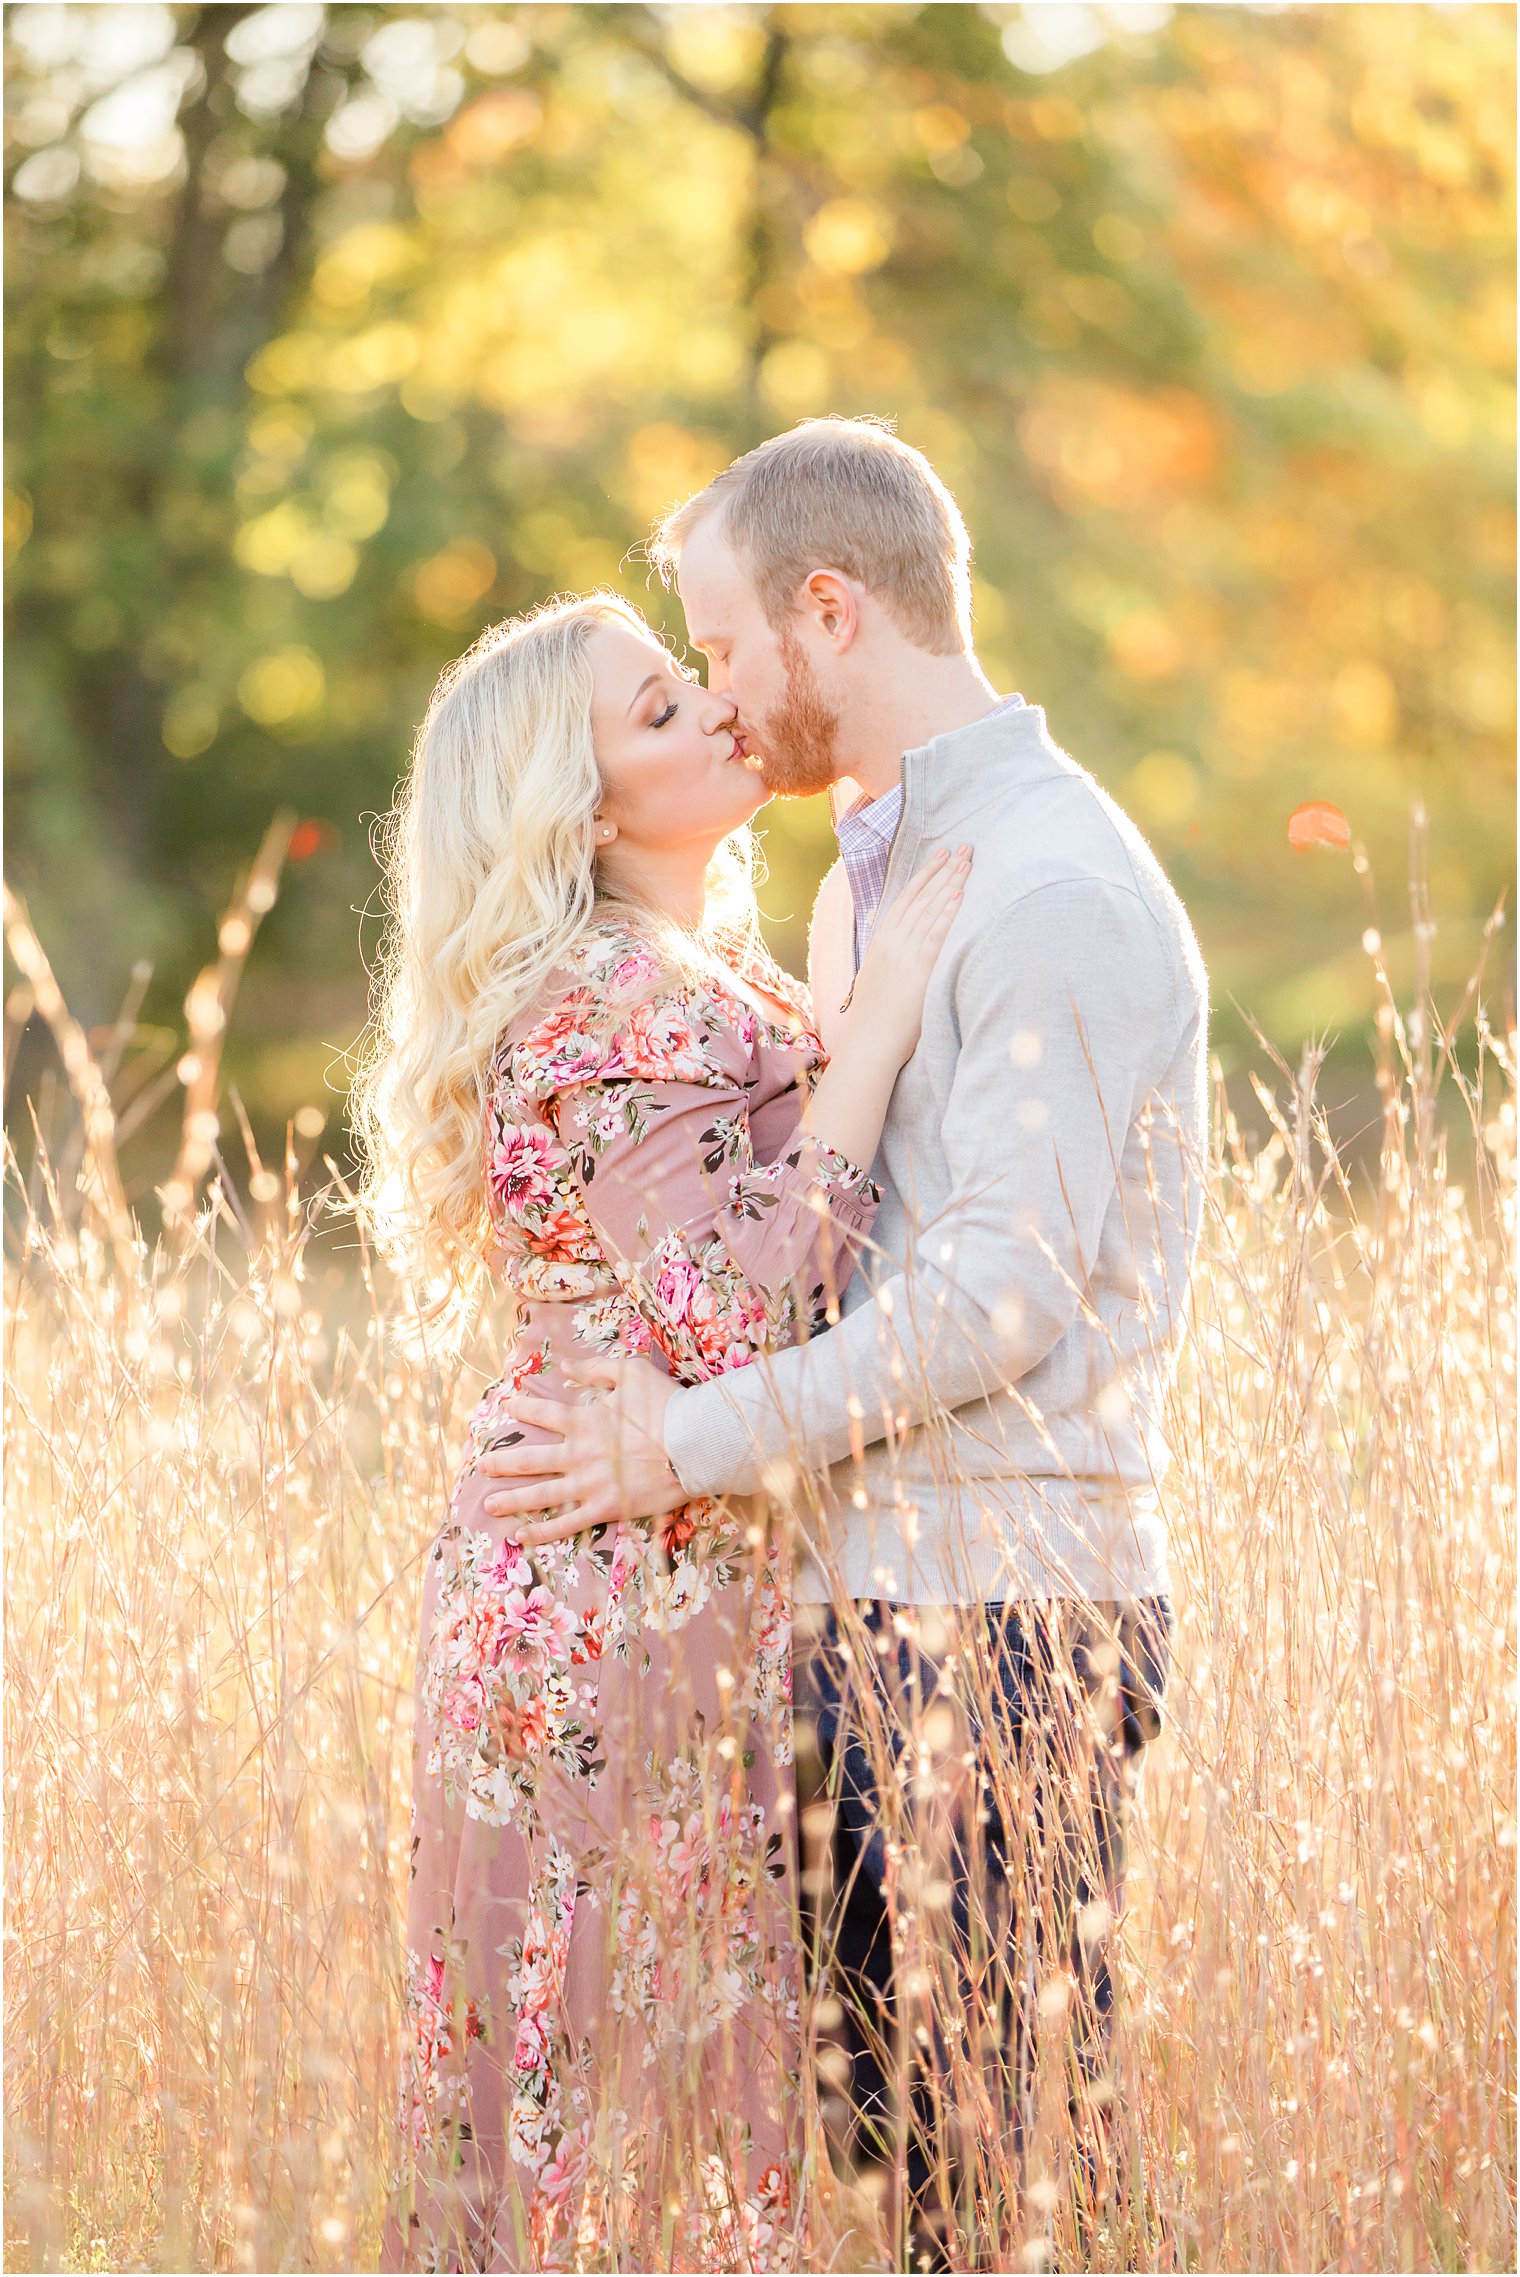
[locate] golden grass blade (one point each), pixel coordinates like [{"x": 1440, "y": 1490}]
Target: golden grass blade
[
  {"x": 208, "y": 1008},
  {"x": 101, "y": 1188}
]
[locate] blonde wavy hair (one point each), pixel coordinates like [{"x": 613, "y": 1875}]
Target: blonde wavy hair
[{"x": 490, "y": 882}]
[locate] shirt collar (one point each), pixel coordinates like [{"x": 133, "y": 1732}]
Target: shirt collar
[{"x": 874, "y": 816}]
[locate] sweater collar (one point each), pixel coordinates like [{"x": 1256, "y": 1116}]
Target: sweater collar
[
  {"x": 951, "y": 774},
  {"x": 857, "y": 817}
]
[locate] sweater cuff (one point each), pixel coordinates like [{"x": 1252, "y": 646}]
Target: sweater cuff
[{"x": 707, "y": 1441}]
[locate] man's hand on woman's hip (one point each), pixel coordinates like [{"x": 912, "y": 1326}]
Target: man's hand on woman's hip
[{"x": 606, "y": 1459}]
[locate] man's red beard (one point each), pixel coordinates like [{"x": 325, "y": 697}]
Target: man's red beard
[{"x": 797, "y": 745}]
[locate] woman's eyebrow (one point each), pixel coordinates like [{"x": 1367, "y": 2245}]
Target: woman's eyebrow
[{"x": 639, "y": 690}]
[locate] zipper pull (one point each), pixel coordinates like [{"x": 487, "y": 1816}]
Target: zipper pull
[{"x": 855, "y": 952}]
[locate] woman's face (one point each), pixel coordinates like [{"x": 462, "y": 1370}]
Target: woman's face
[{"x": 671, "y": 773}]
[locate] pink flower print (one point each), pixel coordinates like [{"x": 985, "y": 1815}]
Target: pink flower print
[
  {"x": 721, "y": 1322},
  {"x": 608, "y": 1123},
  {"x": 522, "y": 1166},
  {"x": 624, "y": 1566},
  {"x": 531, "y": 1364},
  {"x": 678, "y": 1291},
  {"x": 565, "y": 2168},
  {"x": 678, "y": 1530},
  {"x": 683, "y": 1858},
  {"x": 510, "y": 1568},
  {"x": 633, "y": 972},
  {"x": 524, "y": 1730},
  {"x": 657, "y": 1042},
  {"x": 746, "y": 1025},
  {"x": 532, "y": 2044},
  {"x": 559, "y": 1046},
  {"x": 463, "y": 1703},
  {"x": 563, "y": 1239},
  {"x": 534, "y": 1983},
  {"x": 535, "y": 1630},
  {"x": 433, "y": 1981},
  {"x": 775, "y": 2188}
]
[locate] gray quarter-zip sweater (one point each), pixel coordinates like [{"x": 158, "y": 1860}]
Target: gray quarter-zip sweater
[{"x": 988, "y": 1406}]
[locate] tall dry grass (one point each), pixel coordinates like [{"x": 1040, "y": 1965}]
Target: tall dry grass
[{"x": 227, "y": 1454}]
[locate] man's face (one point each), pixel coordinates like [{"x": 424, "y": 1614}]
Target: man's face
[{"x": 789, "y": 731}]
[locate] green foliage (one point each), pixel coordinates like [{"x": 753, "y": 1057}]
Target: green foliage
[{"x": 336, "y": 334}]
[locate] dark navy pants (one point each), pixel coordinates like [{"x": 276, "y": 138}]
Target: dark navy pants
[{"x": 971, "y": 1894}]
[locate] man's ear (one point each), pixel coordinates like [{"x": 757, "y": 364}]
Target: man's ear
[{"x": 833, "y": 602}]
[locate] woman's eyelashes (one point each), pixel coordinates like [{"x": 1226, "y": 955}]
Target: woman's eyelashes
[{"x": 681, "y": 672}]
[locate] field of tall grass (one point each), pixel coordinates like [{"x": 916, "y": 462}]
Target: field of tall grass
[{"x": 227, "y": 1453}]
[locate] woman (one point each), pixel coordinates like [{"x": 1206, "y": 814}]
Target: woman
[{"x": 592, "y": 1083}]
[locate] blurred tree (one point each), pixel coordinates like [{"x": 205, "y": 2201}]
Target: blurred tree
[{"x": 337, "y": 333}]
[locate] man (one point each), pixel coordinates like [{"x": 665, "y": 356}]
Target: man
[{"x": 986, "y": 1408}]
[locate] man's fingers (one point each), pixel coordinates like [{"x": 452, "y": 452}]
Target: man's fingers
[
  {"x": 526, "y": 1462},
  {"x": 548, "y": 1414},
  {"x": 597, "y": 1371},
  {"x": 560, "y": 1529},
  {"x": 558, "y": 1461},
  {"x": 542, "y": 1495}
]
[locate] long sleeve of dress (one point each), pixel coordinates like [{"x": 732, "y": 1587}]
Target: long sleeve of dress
[{"x": 723, "y": 1256}]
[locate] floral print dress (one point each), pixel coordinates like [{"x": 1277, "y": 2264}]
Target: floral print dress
[{"x": 601, "y": 1993}]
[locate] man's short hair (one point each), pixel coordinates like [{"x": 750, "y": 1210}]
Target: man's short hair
[{"x": 840, "y": 494}]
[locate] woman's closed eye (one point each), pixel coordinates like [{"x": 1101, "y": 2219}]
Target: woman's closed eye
[{"x": 679, "y": 671}]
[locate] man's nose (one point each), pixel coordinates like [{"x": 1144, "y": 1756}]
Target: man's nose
[{"x": 721, "y": 712}]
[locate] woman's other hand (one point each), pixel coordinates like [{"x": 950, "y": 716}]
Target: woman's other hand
[{"x": 887, "y": 1001}]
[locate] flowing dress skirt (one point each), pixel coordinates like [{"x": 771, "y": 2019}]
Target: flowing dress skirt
[{"x": 600, "y": 2056}]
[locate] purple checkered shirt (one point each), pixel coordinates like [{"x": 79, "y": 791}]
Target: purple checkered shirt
[{"x": 865, "y": 832}]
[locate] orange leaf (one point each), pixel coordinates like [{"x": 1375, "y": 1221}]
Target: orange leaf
[
  {"x": 309, "y": 838},
  {"x": 1318, "y": 824}
]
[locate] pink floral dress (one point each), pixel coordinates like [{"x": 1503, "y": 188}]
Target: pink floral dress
[{"x": 601, "y": 1995}]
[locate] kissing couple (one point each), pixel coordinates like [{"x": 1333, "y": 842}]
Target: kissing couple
[{"x": 800, "y": 1614}]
